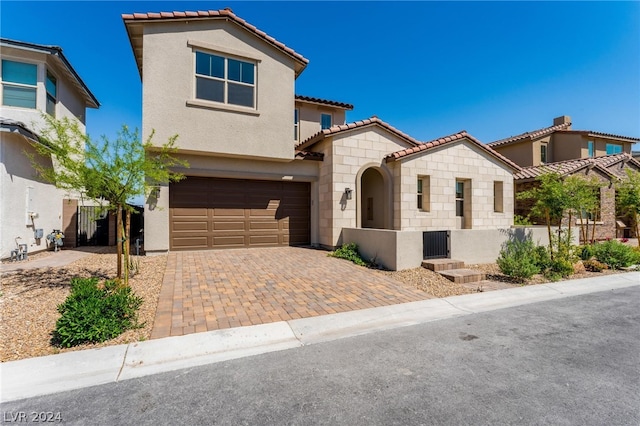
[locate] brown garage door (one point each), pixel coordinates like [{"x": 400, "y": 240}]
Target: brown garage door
[{"x": 209, "y": 213}]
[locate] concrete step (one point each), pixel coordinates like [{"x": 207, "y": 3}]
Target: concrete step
[
  {"x": 438, "y": 265},
  {"x": 463, "y": 276}
]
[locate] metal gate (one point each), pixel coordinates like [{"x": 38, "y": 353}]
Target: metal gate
[
  {"x": 436, "y": 245},
  {"x": 93, "y": 226}
]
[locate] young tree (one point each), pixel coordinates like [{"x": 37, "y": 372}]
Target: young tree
[
  {"x": 629, "y": 198},
  {"x": 582, "y": 200},
  {"x": 111, "y": 171},
  {"x": 550, "y": 202}
]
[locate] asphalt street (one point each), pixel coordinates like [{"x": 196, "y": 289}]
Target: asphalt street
[{"x": 572, "y": 361}]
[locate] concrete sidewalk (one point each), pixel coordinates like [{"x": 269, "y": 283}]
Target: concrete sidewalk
[
  {"x": 53, "y": 260},
  {"x": 73, "y": 370}
]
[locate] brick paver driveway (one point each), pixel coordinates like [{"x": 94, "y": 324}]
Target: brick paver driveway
[{"x": 210, "y": 290}]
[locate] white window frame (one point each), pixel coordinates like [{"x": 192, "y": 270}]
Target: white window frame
[
  {"x": 4, "y": 83},
  {"x": 225, "y": 80}
]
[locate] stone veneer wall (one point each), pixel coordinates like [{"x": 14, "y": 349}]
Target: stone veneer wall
[
  {"x": 345, "y": 158},
  {"x": 444, "y": 166}
]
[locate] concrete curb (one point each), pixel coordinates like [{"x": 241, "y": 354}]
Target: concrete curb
[{"x": 74, "y": 370}]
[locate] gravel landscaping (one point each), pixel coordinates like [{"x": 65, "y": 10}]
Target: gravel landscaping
[{"x": 29, "y": 299}]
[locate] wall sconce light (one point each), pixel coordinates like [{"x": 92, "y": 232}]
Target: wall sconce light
[
  {"x": 348, "y": 192},
  {"x": 155, "y": 192}
]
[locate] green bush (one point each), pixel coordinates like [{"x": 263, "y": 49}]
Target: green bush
[
  {"x": 95, "y": 313},
  {"x": 585, "y": 252},
  {"x": 521, "y": 220},
  {"x": 518, "y": 258},
  {"x": 542, "y": 258},
  {"x": 559, "y": 267},
  {"x": 349, "y": 252},
  {"x": 615, "y": 254}
]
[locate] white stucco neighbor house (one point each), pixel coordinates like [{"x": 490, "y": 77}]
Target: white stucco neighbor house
[
  {"x": 35, "y": 79},
  {"x": 269, "y": 167}
]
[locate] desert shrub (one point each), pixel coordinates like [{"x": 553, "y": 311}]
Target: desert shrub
[
  {"x": 349, "y": 252},
  {"x": 542, "y": 258},
  {"x": 585, "y": 252},
  {"x": 559, "y": 268},
  {"x": 593, "y": 265},
  {"x": 521, "y": 220},
  {"x": 518, "y": 258},
  {"x": 94, "y": 313},
  {"x": 615, "y": 254}
]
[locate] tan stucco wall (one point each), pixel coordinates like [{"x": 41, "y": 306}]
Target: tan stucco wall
[
  {"x": 457, "y": 161},
  {"x": 568, "y": 146},
  {"x": 156, "y": 214},
  {"x": 394, "y": 250},
  {"x": 520, "y": 153},
  {"x": 169, "y": 85},
  {"x": 309, "y": 118}
]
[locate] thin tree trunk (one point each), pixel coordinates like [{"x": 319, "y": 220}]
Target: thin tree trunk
[
  {"x": 119, "y": 239},
  {"x": 569, "y": 230},
  {"x": 593, "y": 226},
  {"x": 636, "y": 219},
  {"x": 127, "y": 249},
  {"x": 549, "y": 232}
]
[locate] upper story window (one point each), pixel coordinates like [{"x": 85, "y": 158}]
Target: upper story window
[
  {"x": 424, "y": 193},
  {"x": 459, "y": 198},
  {"x": 225, "y": 80},
  {"x": 296, "y": 124},
  {"x": 52, "y": 94},
  {"x": 614, "y": 148},
  {"x": 325, "y": 121},
  {"x": 543, "y": 153},
  {"x": 19, "y": 84},
  {"x": 498, "y": 196},
  {"x": 590, "y": 148}
]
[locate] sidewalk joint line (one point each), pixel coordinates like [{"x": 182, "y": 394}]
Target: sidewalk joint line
[{"x": 459, "y": 308}]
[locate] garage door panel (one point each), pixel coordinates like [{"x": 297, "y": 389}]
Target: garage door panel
[
  {"x": 225, "y": 213},
  {"x": 189, "y": 226},
  {"x": 228, "y": 226},
  {"x": 190, "y": 243},
  {"x": 227, "y": 241},
  {"x": 179, "y": 213}
]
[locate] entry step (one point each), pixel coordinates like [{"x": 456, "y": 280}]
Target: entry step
[
  {"x": 438, "y": 265},
  {"x": 463, "y": 276}
]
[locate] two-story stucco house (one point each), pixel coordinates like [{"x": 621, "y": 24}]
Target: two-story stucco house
[
  {"x": 560, "y": 149},
  {"x": 269, "y": 167},
  {"x": 35, "y": 79}
]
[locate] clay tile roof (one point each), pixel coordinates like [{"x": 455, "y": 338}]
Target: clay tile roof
[
  {"x": 309, "y": 155},
  {"x": 340, "y": 128},
  {"x": 529, "y": 135},
  {"x": 324, "y": 102},
  {"x": 424, "y": 146},
  {"x": 130, "y": 18},
  {"x": 604, "y": 135},
  {"x": 568, "y": 167}
]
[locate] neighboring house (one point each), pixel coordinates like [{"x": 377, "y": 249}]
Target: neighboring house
[
  {"x": 559, "y": 149},
  {"x": 227, "y": 89},
  {"x": 35, "y": 79}
]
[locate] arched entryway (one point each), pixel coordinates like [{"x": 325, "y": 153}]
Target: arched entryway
[{"x": 374, "y": 199}]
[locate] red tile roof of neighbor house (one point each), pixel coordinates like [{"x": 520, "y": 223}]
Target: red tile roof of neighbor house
[
  {"x": 424, "y": 146},
  {"x": 309, "y": 155},
  {"x": 226, "y": 14},
  {"x": 324, "y": 102},
  {"x": 529, "y": 135},
  {"x": 568, "y": 167},
  {"x": 341, "y": 128}
]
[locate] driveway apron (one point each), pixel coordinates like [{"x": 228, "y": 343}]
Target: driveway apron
[{"x": 217, "y": 289}]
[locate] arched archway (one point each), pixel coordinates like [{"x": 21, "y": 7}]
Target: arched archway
[{"x": 374, "y": 198}]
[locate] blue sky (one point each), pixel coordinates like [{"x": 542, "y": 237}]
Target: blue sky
[{"x": 430, "y": 69}]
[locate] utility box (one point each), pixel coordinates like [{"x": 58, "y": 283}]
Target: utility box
[{"x": 38, "y": 233}]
